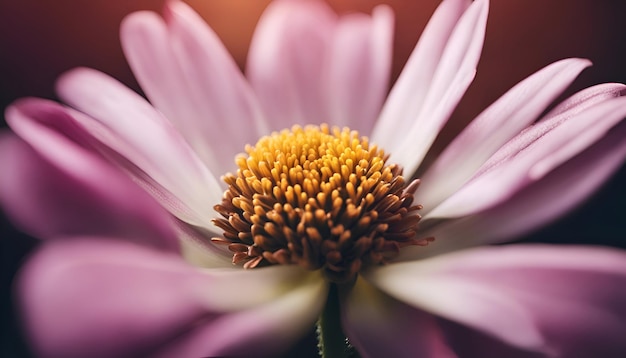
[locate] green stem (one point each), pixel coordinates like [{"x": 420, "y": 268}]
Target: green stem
[{"x": 331, "y": 339}]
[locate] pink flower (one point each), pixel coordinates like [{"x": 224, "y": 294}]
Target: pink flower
[{"x": 141, "y": 270}]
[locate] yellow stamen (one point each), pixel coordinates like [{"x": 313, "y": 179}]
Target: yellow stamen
[{"x": 319, "y": 197}]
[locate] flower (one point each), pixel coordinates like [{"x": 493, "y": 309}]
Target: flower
[{"x": 111, "y": 279}]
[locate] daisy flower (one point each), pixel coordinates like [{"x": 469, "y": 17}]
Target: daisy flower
[{"x": 321, "y": 218}]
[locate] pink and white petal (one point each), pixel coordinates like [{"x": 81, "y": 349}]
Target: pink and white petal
[
  {"x": 587, "y": 97},
  {"x": 198, "y": 249},
  {"x": 454, "y": 73},
  {"x": 75, "y": 193},
  {"x": 498, "y": 180},
  {"x": 146, "y": 43},
  {"x": 148, "y": 49},
  {"x": 409, "y": 91},
  {"x": 558, "y": 300},
  {"x": 286, "y": 57},
  {"x": 533, "y": 206},
  {"x": 143, "y": 142},
  {"x": 381, "y": 326},
  {"x": 540, "y": 203},
  {"x": 514, "y": 111},
  {"x": 263, "y": 331},
  {"x": 568, "y": 109},
  {"x": 358, "y": 69},
  {"x": 100, "y": 297},
  {"x": 225, "y": 114}
]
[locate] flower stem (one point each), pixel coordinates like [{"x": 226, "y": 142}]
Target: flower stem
[{"x": 332, "y": 341}]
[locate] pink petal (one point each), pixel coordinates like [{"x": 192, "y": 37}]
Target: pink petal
[
  {"x": 409, "y": 91},
  {"x": 103, "y": 298},
  {"x": 563, "y": 112},
  {"x": 454, "y": 72},
  {"x": 539, "y": 152},
  {"x": 189, "y": 76},
  {"x": 535, "y": 205},
  {"x": 588, "y": 96},
  {"x": 358, "y": 69},
  {"x": 381, "y": 326},
  {"x": 468, "y": 342},
  {"x": 557, "y": 300},
  {"x": 76, "y": 194},
  {"x": 286, "y": 61},
  {"x": 140, "y": 140},
  {"x": 263, "y": 331},
  {"x": 514, "y": 111}
]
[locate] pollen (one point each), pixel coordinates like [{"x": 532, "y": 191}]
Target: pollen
[{"x": 318, "y": 197}]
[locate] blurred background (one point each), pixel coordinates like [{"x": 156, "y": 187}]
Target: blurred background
[{"x": 41, "y": 39}]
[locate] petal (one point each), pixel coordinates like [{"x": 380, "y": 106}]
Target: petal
[
  {"x": 286, "y": 59},
  {"x": 358, "y": 69},
  {"x": 413, "y": 83},
  {"x": 189, "y": 75},
  {"x": 381, "y": 326},
  {"x": 586, "y": 97},
  {"x": 514, "y": 111},
  {"x": 98, "y": 297},
  {"x": 264, "y": 331},
  {"x": 468, "y": 342},
  {"x": 535, "y": 205},
  {"x": 75, "y": 193},
  {"x": 421, "y": 120},
  {"x": 561, "y": 301},
  {"x": 532, "y": 156},
  {"x": 140, "y": 140},
  {"x": 198, "y": 249}
]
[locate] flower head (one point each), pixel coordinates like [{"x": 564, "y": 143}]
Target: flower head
[
  {"x": 320, "y": 199},
  {"x": 321, "y": 219}
]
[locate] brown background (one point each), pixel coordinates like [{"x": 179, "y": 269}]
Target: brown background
[{"x": 41, "y": 39}]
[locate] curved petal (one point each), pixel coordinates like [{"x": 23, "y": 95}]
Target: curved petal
[
  {"x": 533, "y": 206},
  {"x": 514, "y": 111},
  {"x": 95, "y": 297},
  {"x": 409, "y": 91},
  {"x": 358, "y": 69},
  {"x": 264, "y": 331},
  {"x": 533, "y": 155},
  {"x": 557, "y": 300},
  {"x": 586, "y": 97},
  {"x": 381, "y": 326},
  {"x": 285, "y": 60},
  {"x": 189, "y": 76},
  {"x": 454, "y": 72},
  {"x": 76, "y": 194},
  {"x": 468, "y": 342},
  {"x": 140, "y": 140},
  {"x": 197, "y": 248}
]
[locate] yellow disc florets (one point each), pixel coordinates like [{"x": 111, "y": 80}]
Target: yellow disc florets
[{"x": 320, "y": 198}]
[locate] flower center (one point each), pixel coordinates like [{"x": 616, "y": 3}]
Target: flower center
[{"x": 318, "y": 197}]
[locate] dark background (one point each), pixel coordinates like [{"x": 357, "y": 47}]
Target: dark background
[{"x": 39, "y": 40}]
